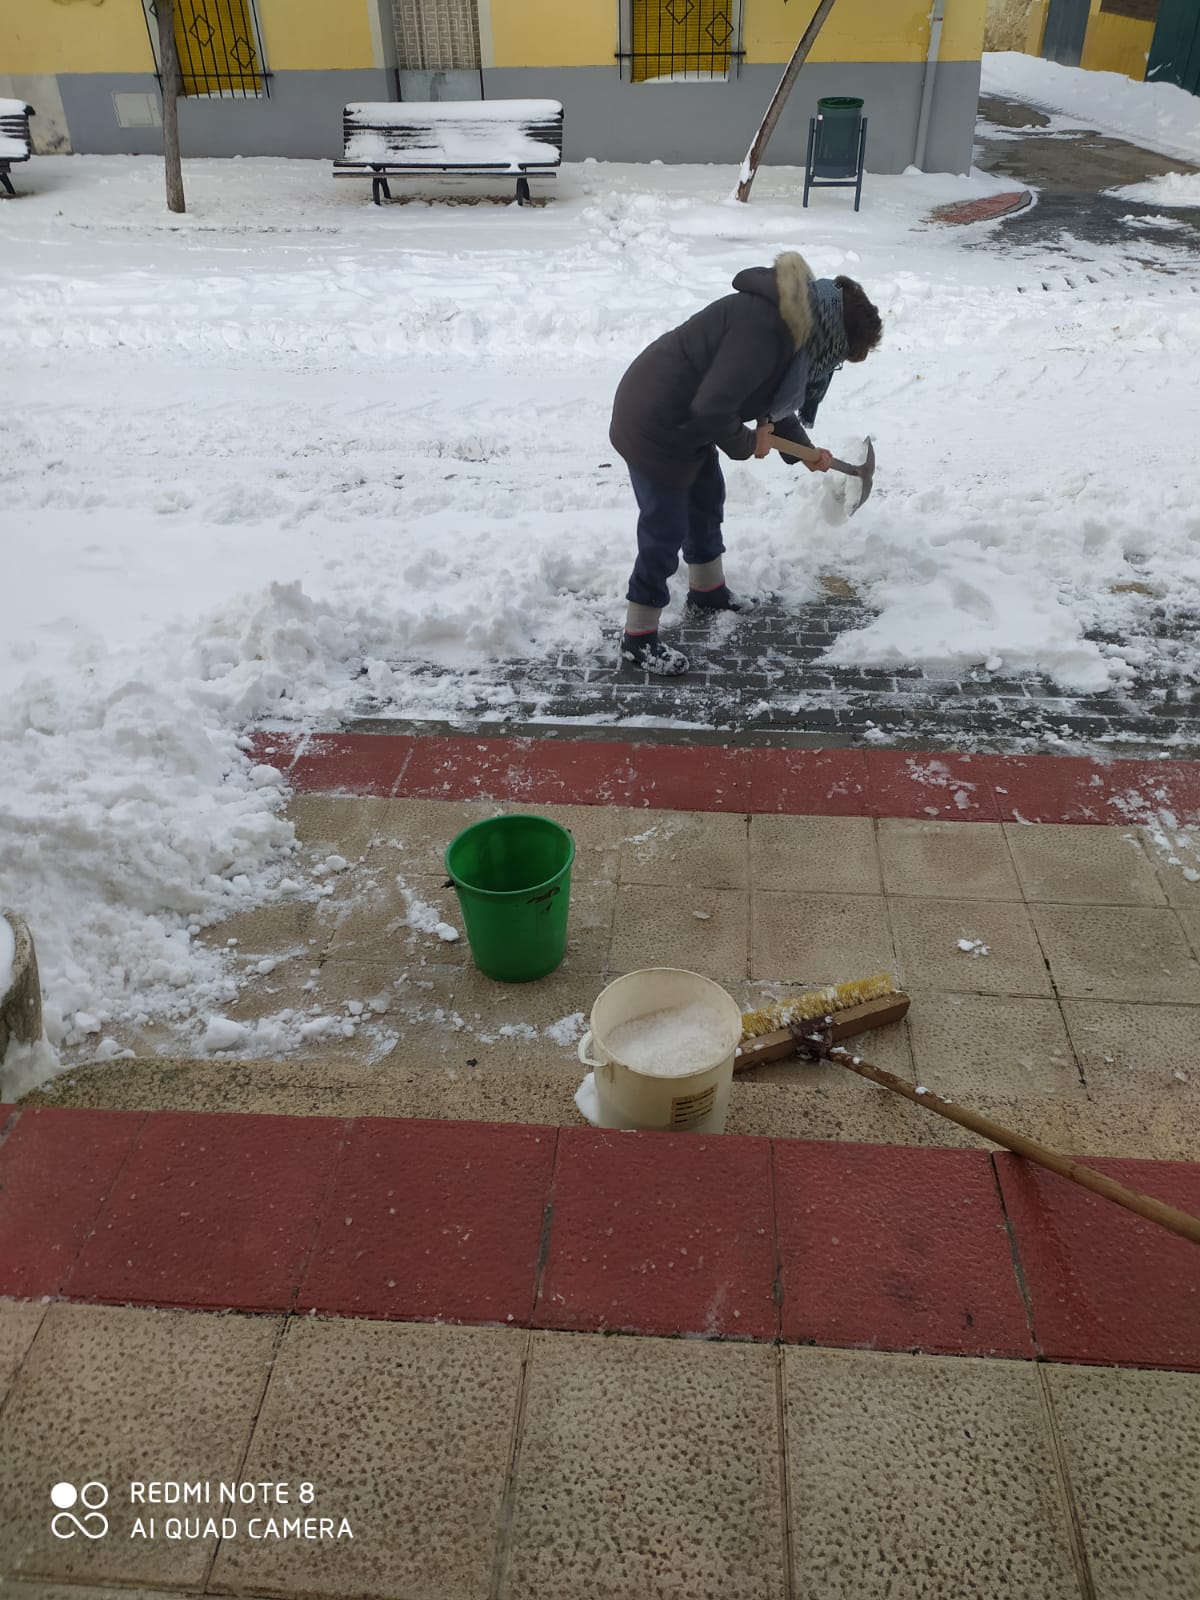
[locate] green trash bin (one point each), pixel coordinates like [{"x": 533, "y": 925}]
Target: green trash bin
[
  {"x": 835, "y": 154},
  {"x": 513, "y": 880}
]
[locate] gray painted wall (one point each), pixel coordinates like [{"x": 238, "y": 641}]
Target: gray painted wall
[
  {"x": 302, "y": 116},
  {"x": 606, "y": 117},
  {"x": 614, "y": 120}
]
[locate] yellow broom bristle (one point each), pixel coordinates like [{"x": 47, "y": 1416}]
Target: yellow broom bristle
[{"x": 817, "y": 1003}]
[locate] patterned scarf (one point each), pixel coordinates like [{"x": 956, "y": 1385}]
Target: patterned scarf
[{"x": 807, "y": 378}]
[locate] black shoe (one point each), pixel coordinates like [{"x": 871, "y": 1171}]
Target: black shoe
[
  {"x": 647, "y": 650},
  {"x": 719, "y": 599}
]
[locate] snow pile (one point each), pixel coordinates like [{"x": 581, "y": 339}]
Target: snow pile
[
  {"x": 423, "y": 917},
  {"x": 8, "y": 951},
  {"x": 1160, "y": 116},
  {"x": 1172, "y": 189}
]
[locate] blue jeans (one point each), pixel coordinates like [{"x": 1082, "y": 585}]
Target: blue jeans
[{"x": 672, "y": 520}]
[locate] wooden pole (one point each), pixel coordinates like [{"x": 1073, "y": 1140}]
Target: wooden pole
[
  {"x": 168, "y": 63},
  {"x": 791, "y": 72},
  {"x": 1144, "y": 1205}
]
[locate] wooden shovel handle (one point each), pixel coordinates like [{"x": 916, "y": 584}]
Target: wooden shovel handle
[
  {"x": 1180, "y": 1222},
  {"x": 802, "y": 452}
]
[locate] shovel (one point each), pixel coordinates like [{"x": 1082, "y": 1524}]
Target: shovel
[{"x": 864, "y": 472}]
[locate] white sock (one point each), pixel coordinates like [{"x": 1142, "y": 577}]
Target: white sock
[
  {"x": 642, "y": 619},
  {"x": 706, "y": 575}
]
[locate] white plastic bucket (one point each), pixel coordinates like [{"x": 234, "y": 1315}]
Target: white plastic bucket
[{"x": 694, "y": 1100}]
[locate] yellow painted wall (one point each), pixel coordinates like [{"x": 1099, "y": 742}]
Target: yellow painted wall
[
  {"x": 1116, "y": 44},
  {"x": 1037, "y": 27},
  {"x": 52, "y": 36},
  {"x": 314, "y": 35},
  {"x": 583, "y": 33},
  {"x": 44, "y": 36}
]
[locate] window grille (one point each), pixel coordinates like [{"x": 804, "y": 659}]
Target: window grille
[
  {"x": 680, "y": 39},
  {"x": 437, "y": 35},
  {"x": 219, "y": 46}
]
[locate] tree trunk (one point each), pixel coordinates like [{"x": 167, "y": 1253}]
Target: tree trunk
[
  {"x": 791, "y": 72},
  {"x": 168, "y": 64}
]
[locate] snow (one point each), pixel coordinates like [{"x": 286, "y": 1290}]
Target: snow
[
  {"x": 1172, "y": 189},
  {"x": 1159, "y": 116},
  {"x": 289, "y": 435},
  {"x": 455, "y": 133},
  {"x": 671, "y": 1043}
]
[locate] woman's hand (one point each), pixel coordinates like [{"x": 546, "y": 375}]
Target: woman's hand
[
  {"x": 763, "y": 435},
  {"x": 823, "y": 463}
]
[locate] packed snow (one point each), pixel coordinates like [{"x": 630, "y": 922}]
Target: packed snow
[
  {"x": 670, "y": 1043},
  {"x": 8, "y": 950},
  {"x": 290, "y": 445}
]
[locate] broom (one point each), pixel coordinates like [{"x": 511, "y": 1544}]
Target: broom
[{"x": 813, "y": 1024}]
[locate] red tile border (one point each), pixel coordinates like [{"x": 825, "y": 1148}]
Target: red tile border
[
  {"x": 433, "y": 1221},
  {"x": 1105, "y": 1285},
  {"x": 896, "y": 1248},
  {"x": 850, "y": 1245},
  {"x": 211, "y": 1212},
  {"x": 57, "y": 1167},
  {"x": 748, "y": 778},
  {"x": 661, "y": 1233}
]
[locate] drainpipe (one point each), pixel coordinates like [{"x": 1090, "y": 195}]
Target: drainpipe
[{"x": 936, "y": 15}]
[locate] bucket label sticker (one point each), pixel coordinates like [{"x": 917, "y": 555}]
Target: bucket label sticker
[{"x": 691, "y": 1108}]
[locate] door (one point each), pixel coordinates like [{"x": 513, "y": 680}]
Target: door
[
  {"x": 1066, "y": 24},
  {"x": 437, "y": 49},
  {"x": 1175, "y": 48}
]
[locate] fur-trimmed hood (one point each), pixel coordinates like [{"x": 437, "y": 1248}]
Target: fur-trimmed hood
[{"x": 788, "y": 285}]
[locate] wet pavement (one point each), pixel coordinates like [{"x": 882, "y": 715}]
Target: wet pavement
[{"x": 1071, "y": 171}]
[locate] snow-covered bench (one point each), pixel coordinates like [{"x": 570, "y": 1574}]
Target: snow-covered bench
[
  {"x": 483, "y": 137},
  {"x": 15, "y": 142}
]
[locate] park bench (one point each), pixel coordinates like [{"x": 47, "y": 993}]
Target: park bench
[
  {"x": 15, "y": 141},
  {"x": 485, "y": 138}
]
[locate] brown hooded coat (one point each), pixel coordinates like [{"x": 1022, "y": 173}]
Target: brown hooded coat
[{"x": 698, "y": 385}]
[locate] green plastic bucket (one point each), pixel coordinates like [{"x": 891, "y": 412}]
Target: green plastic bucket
[{"x": 513, "y": 879}]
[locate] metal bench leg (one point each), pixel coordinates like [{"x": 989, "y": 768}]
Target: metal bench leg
[
  {"x": 379, "y": 186},
  {"x": 522, "y": 190},
  {"x": 862, "y": 157},
  {"x": 808, "y": 159},
  {"x": 7, "y": 181}
]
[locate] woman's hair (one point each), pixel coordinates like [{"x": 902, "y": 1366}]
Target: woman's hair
[{"x": 864, "y": 327}]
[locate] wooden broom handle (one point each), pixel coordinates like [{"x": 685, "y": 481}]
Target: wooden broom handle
[{"x": 1180, "y": 1222}]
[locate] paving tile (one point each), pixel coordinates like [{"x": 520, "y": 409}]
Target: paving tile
[
  {"x": 817, "y": 855},
  {"x": 407, "y": 1432},
  {"x": 928, "y": 935},
  {"x": 289, "y": 929},
  {"x": 895, "y": 1249},
  {"x": 57, "y": 1165},
  {"x": 19, "y": 1322},
  {"x": 413, "y": 834},
  {"x": 967, "y": 1044},
  {"x": 510, "y": 1024},
  {"x": 1190, "y": 921},
  {"x": 648, "y": 1467},
  {"x": 1140, "y": 1525},
  {"x": 433, "y": 1221},
  {"x": 589, "y": 926},
  {"x": 1134, "y": 953},
  {"x": 1107, "y": 1286},
  {"x": 1131, "y": 1051},
  {"x": 851, "y": 1109},
  {"x": 683, "y": 849},
  {"x": 700, "y": 930},
  {"x": 922, "y": 1477},
  {"x": 955, "y": 860},
  {"x": 385, "y": 925},
  {"x": 1176, "y": 858},
  {"x": 683, "y": 776},
  {"x": 955, "y": 788},
  {"x": 819, "y": 938},
  {"x": 811, "y": 783},
  {"x": 112, "y": 1395},
  {"x": 1083, "y": 866},
  {"x": 660, "y": 1233},
  {"x": 1049, "y": 789},
  {"x": 75, "y": 1591},
  {"x": 335, "y": 824},
  {"x": 351, "y": 763},
  {"x": 211, "y": 1211}
]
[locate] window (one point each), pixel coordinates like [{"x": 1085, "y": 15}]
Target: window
[
  {"x": 219, "y": 47},
  {"x": 437, "y": 35},
  {"x": 680, "y": 39}
]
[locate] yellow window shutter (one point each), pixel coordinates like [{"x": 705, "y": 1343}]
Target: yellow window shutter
[
  {"x": 216, "y": 41},
  {"x": 678, "y": 38}
]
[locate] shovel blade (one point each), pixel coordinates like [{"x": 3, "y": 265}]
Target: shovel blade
[{"x": 866, "y": 478}]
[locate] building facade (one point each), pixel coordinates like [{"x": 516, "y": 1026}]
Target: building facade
[
  {"x": 1157, "y": 40},
  {"x": 672, "y": 80}
]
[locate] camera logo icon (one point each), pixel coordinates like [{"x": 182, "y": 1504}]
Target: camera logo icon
[{"x": 91, "y": 1522}]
